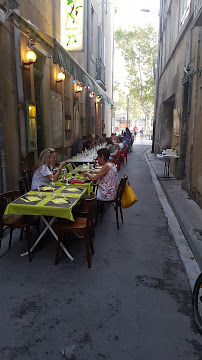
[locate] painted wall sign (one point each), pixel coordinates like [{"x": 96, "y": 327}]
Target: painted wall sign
[
  {"x": 176, "y": 122},
  {"x": 71, "y": 20}
]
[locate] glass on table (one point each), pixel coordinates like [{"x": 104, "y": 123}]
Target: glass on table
[
  {"x": 53, "y": 188},
  {"x": 39, "y": 192}
]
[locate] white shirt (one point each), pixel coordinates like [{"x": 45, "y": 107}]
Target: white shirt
[
  {"x": 121, "y": 145},
  {"x": 40, "y": 177}
]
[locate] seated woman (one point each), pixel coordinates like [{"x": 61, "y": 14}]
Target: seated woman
[
  {"x": 115, "y": 153},
  {"x": 110, "y": 147},
  {"x": 107, "y": 177},
  {"x": 43, "y": 169}
]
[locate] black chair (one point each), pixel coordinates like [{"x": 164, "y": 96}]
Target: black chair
[
  {"x": 23, "y": 185},
  {"x": 116, "y": 203},
  {"x": 12, "y": 222},
  {"x": 28, "y": 173}
]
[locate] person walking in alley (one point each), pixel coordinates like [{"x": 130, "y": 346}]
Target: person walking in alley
[
  {"x": 141, "y": 133},
  {"x": 135, "y": 130}
]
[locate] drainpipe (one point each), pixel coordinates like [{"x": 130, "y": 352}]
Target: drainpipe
[
  {"x": 20, "y": 93},
  {"x": 112, "y": 109},
  {"x": 103, "y": 32},
  {"x": 88, "y": 109},
  {"x": 88, "y": 34},
  {"x": 2, "y": 155},
  {"x": 195, "y": 103}
]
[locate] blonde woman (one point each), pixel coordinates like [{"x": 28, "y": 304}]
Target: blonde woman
[{"x": 44, "y": 167}]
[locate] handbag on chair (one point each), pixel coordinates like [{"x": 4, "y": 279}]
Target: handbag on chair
[{"x": 128, "y": 198}]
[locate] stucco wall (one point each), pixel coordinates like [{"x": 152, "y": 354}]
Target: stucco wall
[{"x": 183, "y": 53}]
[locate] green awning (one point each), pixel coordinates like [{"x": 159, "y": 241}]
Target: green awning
[
  {"x": 60, "y": 55},
  {"x": 65, "y": 60},
  {"x": 33, "y": 32}
]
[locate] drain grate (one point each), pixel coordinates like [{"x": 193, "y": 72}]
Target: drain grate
[{"x": 149, "y": 281}]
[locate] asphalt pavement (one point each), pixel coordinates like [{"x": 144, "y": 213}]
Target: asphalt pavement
[{"x": 133, "y": 304}]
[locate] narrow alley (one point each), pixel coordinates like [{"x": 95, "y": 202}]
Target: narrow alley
[{"x": 133, "y": 304}]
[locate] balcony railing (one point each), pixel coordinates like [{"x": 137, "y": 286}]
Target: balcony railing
[{"x": 100, "y": 71}]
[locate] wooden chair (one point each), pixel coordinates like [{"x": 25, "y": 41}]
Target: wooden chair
[
  {"x": 23, "y": 185},
  {"x": 12, "y": 222},
  {"x": 83, "y": 211},
  {"x": 82, "y": 226},
  {"x": 116, "y": 203},
  {"x": 28, "y": 173}
]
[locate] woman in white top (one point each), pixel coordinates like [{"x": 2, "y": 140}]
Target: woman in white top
[
  {"x": 43, "y": 169},
  {"x": 107, "y": 177}
]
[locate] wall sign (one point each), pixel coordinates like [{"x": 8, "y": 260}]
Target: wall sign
[
  {"x": 71, "y": 20},
  {"x": 176, "y": 122}
]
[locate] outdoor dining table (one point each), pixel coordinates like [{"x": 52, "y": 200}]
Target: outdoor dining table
[
  {"x": 45, "y": 203},
  {"x": 167, "y": 158},
  {"x": 85, "y": 185},
  {"x": 81, "y": 159}
]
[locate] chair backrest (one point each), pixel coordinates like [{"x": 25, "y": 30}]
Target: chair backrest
[
  {"x": 23, "y": 185},
  {"x": 90, "y": 205},
  {"x": 5, "y": 199},
  {"x": 70, "y": 167},
  {"x": 28, "y": 173},
  {"x": 121, "y": 188}
]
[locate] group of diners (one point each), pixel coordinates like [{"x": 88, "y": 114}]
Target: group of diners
[
  {"x": 107, "y": 177},
  {"x": 114, "y": 142}
]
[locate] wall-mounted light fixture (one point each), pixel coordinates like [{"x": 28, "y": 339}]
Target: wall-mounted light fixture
[
  {"x": 91, "y": 95},
  {"x": 79, "y": 88},
  {"x": 30, "y": 58},
  {"x": 60, "y": 77}
]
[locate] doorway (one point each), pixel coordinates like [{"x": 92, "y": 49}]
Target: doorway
[
  {"x": 184, "y": 129},
  {"x": 38, "y": 88},
  {"x": 167, "y": 124}
]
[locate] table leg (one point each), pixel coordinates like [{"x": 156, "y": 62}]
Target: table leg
[
  {"x": 167, "y": 168},
  {"x": 48, "y": 227},
  {"x": 39, "y": 238},
  {"x": 56, "y": 237}
]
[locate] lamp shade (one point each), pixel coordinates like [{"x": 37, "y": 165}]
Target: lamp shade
[
  {"x": 60, "y": 76},
  {"x": 30, "y": 56}
]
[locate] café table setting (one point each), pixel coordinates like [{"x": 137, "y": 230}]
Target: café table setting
[{"x": 47, "y": 201}]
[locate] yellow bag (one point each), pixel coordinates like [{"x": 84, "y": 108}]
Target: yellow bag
[{"x": 129, "y": 197}]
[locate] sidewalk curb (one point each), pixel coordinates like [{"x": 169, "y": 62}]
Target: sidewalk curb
[{"x": 187, "y": 228}]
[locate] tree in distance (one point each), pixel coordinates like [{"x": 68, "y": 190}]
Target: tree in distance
[{"x": 139, "y": 49}]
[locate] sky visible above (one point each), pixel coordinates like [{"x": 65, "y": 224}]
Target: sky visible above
[{"x": 129, "y": 14}]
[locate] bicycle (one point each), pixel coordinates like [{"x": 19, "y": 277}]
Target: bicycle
[{"x": 197, "y": 303}]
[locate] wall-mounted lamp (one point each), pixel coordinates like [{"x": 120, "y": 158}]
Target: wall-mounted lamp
[
  {"x": 79, "y": 88},
  {"x": 30, "y": 58},
  {"x": 98, "y": 99},
  {"x": 60, "y": 77},
  {"x": 91, "y": 95}
]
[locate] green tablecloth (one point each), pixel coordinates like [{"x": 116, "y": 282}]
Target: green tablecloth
[{"x": 31, "y": 204}]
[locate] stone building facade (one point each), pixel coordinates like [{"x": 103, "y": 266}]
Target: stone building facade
[
  {"x": 63, "y": 112},
  {"x": 178, "y": 108}
]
